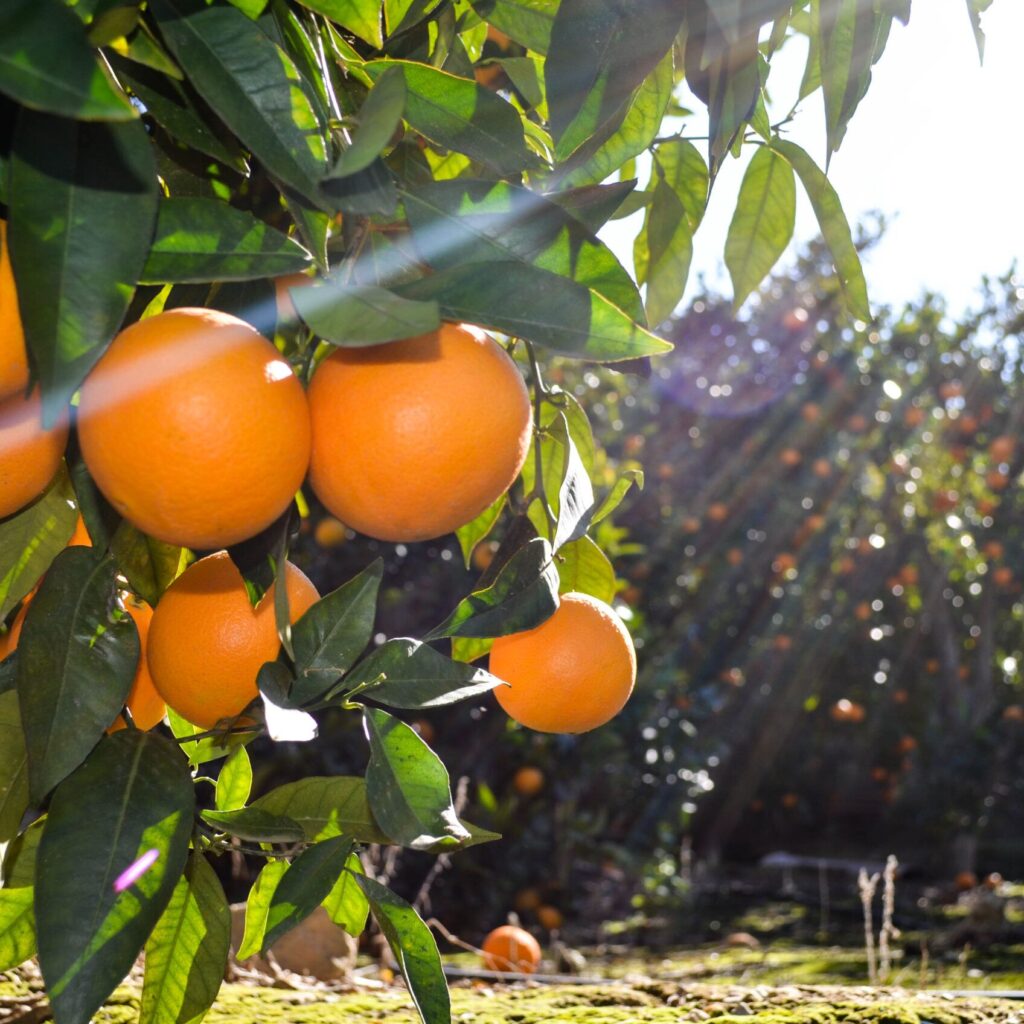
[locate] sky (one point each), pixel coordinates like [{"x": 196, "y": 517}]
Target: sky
[{"x": 937, "y": 145}]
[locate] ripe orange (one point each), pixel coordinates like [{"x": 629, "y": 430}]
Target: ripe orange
[
  {"x": 330, "y": 533},
  {"x": 965, "y": 880},
  {"x": 415, "y": 438},
  {"x": 511, "y": 949},
  {"x": 1001, "y": 449},
  {"x": 144, "y": 702},
  {"x": 195, "y": 429},
  {"x": 206, "y": 642},
  {"x": 847, "y": 711},
  {"x": 550, "y": 917},
  {"x": 286, "y": 311},
  {"x": 29, "y": 455},
  {"x": 528, "y": 781},
  {"x": 9, "y": 640},
  {"x": 527, "y": 899},
  {"x": 13, "y": 358},
  {"x": 718, "y": 512},
  {"x": 572, "y": 673}
]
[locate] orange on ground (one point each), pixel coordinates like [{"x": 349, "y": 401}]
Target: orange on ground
[
  {"x": 417, "y": 437},
  {"x": 550, "y": 917},
  {"x": 511, "y": 949},
  {"x": 13, "y": 358},
  {"x": 206, "y": 642},
  {"x": 195, "y": 428},
  {"x": 29, "y": 455},
  {"x": 966, "y": 880},
  {"x": 330, "y": 533},
  {"x": 572, "y": 673},
  {"x": 528, "y": 781},
  {"x": 144, "y": 702}
]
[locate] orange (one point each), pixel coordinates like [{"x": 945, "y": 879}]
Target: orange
[
  {"x": 206, "y": 642},
  {"x": 9, "y": 640},
  {"x": 511, "y": 949},
  {"x": 80, "y": 538},
  {"x": 550, "y": 917},
  {"x": 528, "y": 781},
  {"x": 527, "y": 899},
  {"x": 195, "y": 428},
  {"x": 417, "y": 437},
  {"x": 29, "y": 455},
  {"x": 144, "y": 702},
  {"x": 13, "y": 358},
  {"x": 572, "y": 673},
  {"x": 287, "y": 315},
  {"x": 330, "y": 532}
]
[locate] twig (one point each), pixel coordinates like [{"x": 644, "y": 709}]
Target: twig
[
  {"x": 866, "y": 885},
  {"x": 421, "y": 903},
  {"x": 888, "y": 929}
]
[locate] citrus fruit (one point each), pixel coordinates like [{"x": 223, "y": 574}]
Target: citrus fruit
[
  {"x": 13, "y": 360},
  {"x": 528, "y": 781},
  {"x": 80, "y": 538},
  {"x": 29, "y": 454},
  {"x": 144, "y": 703},
  {"x": 286, "y": 311},
  {"x": 550, "y": 917},
  {"x": 9, "y": 640},
  {"x": 527, "y": 899},
  {"x": 572, "y": 673},
  {"x": 330, "y": 533},
  {"x": 195, "y": 428},
  {"x": 511, "y": 949},
  {"x": 206, "y": 642},
  {"x": 417, "y": 437}
]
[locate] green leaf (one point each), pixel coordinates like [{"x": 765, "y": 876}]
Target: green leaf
[
  {"x": 250, "y": 8},
  {"x": 83, "y": 200},
  {"x": 834, "y": 227},
  {"x": 19, "y": 861},
  {"x": 469, "y": 221},
  {"x": 360, "y": 17},
  {"x": 31, "y": 539},
  {"x": 414, "y": 949},
  {"x": 305, "y": 885},
  {"x": 257, "y": 905},
  {"x": 325, "y": 807},
  {"x": 345, "y": 904},
  {"x": 177, "y": 108},
  {"x": 614, "y": 497},
  {"x": 664, "y": 247},
  {"x": 187, "y": 952},
  {"x": 13, "y": 768},
  {"x": 332, "y": 633},
  {"x": 414, "y": 675},
  {"x": 149, "y": 565},
  {"x": 528, "y": 22},
  {"x": 206, "y": 240},
  {"x": 209, "y": 748},
  {"x": 251, "y": 83},
  {"x": 234, "y": 783},
  {"x": 584, "y": 568},
  {"x": 638, "y": 130},
  {"x": 76, "y": 663},
  {"x": 593, "y": 205},
  {"x": 255, "y": 825},
  {"x": 408, "y": 786},
  {"x": 47, "y": 63},
  {"x": 762, "y": 225},
  {"x": 523, "y": 595},
  {"x": 459, "y": 114},
  {"x": 468, "y": 649},
  {"x": 133, "y": 795},
  {"x": 477, "y": 529},
  {"x": 564, "y": 316},
  {"x": 379, "y": 116},
  {"x": 975, "y": 9},
  {"x": 354, "y": 315},
  {"x": 596, "y": 59},
  {"x": 17, "y": 928},
  {"x": 851, "y": 35}
]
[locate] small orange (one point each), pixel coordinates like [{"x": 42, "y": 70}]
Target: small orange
[
  {"x": 330, "y": 533},
  {"x": 13, "y": 358},
  {"x": 287, "y": 314},
  {"x": 206, "y": 642},
  {"x": 195, "y": 428},
  {"x": 511, "y": 949},
  {"x": 417, "y": 437},
  {"x": 550, "y": 917},
  {"x": 9, "y": 640},
  {"x": 572, "y": 673},
  {"x": 1002, "y": 448},
  {"x": 965, "y": 880},
  {"x": 80, "y": 538},
  {"x": 527, "y": 899},
  {"x": 718, "y": 512},
  {"x": 145, "y": 704},
  {"x": 528, "y": 781},
  {"x": 29, "y": 454}
]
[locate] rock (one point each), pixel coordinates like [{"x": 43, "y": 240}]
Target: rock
[{"x": 316, "y": 947}]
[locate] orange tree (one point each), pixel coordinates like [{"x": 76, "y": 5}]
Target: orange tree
[{"x": 166, "y": 168}]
